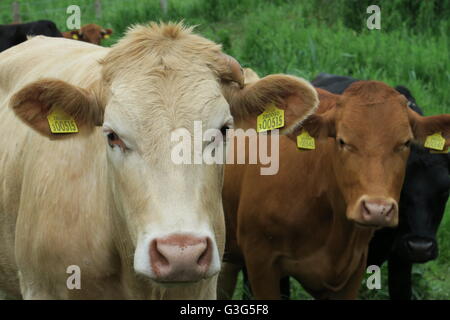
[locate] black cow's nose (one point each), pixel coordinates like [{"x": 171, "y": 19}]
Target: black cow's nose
[
  {"x": 421, "y": 250},
  {"x": 420, "y": 245}
]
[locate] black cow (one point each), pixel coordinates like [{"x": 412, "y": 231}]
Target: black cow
[
  {"x": 13, "y": 34},
  {"x": 422, "y": 204}
]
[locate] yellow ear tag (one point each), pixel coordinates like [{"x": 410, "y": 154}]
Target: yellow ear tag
[
  {"x": 74, "y": 36},
  {"x": 305, "y": 141},
  {"x": 61, "y": 122},
  {"x": 272, "y": 118},
  {"x": 435, "y": 142},
  {"x": 106, "y": 36}
]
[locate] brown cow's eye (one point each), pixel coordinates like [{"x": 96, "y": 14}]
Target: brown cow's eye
[
  {"x": 341, "y": 142},
  {"x": 404, "y": 146}
]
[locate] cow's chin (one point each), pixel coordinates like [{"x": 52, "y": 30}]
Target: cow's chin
[
  {"x": 168, "y": 283},
  {"x": 173, "y": 284},
  {"x": 360, "y": 223},
  {"x": 366, "y": 226},
  {"x": 363, "y": 224}
]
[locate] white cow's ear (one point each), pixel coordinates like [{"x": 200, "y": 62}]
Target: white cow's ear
[
  {"x": 36, "y": 101},
  {"x": 295, "y": 96}
]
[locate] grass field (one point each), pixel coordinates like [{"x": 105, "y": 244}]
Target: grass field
[{"x": 305, "y": 38}]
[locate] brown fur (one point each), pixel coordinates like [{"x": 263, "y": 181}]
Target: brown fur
[
  {"x": 81, "y": 103},
  {"x": 301, "y": 222},
  {"x": 91, "y": 33}
]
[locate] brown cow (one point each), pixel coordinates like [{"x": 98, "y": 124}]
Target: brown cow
[
  {"x": 92, "y": 33},
  {"x": 314, "y": 219}
]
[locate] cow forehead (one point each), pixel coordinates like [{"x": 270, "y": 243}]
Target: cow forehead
[
  {"x": 373, "y": 108},
  {"x": 159, "y": 103},
  {"x": 385, "y": 120}
]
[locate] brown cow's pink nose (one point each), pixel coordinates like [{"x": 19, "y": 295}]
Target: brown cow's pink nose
[
  {"x": 378, "y": 212},
  {"x": 180, "y": 258}
]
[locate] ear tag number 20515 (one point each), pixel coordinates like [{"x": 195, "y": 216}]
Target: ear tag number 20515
[
  {"x": 435, "y": 143},
  {"x": 61, "y": 122},
  {"x": 272, "y": 118}
]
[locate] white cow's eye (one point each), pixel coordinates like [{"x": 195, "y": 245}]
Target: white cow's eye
[
  {"x": 224, "y": 129},
  {"x": 228, "y": 125},
  {"x": 114, "y": 140}
]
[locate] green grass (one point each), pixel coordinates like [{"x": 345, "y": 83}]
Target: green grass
[{"x": 304, "y": 38}]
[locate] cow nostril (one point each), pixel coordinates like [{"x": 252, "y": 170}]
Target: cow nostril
[
  {"x": 365, "y": 209},
  {"x": 156, "y": 255},
  {"x": 388, "y": 211},
  {"x": 205, "y": 258},
  {"x": 420, "y": 245}
]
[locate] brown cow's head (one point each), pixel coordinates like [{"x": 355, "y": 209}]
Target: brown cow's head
[
  {"x": 373, "y": 128},
  {"x": 92, "y": 33},
  {"x": 155, "y": 83}
]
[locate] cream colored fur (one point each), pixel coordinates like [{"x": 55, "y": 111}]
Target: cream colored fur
[{"x": 76, "y": 201}]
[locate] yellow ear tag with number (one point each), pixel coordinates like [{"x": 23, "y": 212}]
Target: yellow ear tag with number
[
  {"x": 61, "y": 122},
  {"x": 272, "y": 118},
  {"x": 74, "y": 36},
  {"x": 106, "y": 36},
  {"x": 435, "y": 142},
  {"x": 305, "y": 141}
]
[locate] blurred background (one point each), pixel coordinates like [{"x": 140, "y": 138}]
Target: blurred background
[{"x": 303, "y": 38}]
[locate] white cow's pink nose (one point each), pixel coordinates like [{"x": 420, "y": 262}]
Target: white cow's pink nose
[{"x": 180, "y": 258}]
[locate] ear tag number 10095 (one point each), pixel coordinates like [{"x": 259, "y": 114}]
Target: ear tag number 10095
[{"x": 272, "y": 118}]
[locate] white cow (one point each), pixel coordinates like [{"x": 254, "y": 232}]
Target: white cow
[{"x": 107, "y": 204}]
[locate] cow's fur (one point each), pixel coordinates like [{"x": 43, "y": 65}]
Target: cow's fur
[
  {"x": 78, "y": 201},
  {"x": 91, "y": 33},
  {"x": 306, "y": 220}
]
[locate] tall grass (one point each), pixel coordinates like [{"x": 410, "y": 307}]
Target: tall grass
[{"x": 305, "y": 38}]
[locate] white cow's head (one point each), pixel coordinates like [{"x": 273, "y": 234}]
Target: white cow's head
[{"x": 156, "y": 81}]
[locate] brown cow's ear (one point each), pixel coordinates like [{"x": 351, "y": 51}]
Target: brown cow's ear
[
  {"x": 294, "y": 95},
  {"x": 319, "y": 125},
  {"x": 33, "y": 103},
  {"x": 423, "y": 127}
]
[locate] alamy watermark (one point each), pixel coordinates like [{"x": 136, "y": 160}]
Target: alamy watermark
[
  {"x": 73, "y": 281},
  {"x": 374, "y": 20},
  {"x": 212, "y": 147},
  {"x": 74, "y": 20}
]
